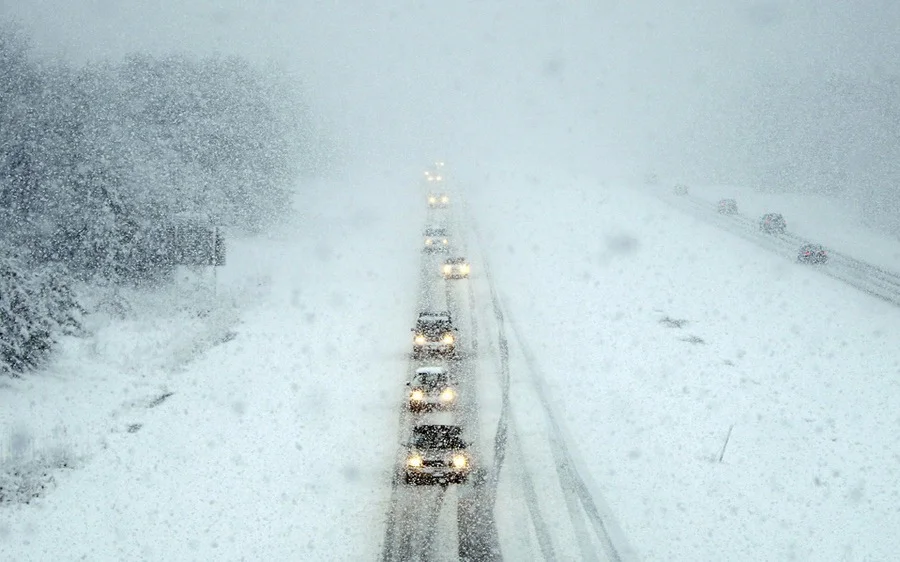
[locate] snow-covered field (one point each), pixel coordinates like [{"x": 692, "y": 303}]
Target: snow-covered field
[
  {"x": 274, "y": 445},
  {"x": 660, "y": 338},
  {"x": 661, "y": 335}
]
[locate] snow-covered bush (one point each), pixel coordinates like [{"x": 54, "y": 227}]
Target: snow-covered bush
[
  {"x": 27, "y": 472},
  {"x": 36, "y": 306}
]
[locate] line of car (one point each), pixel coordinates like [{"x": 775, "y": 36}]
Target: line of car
[
  {"x": 770, "y": 223},
  {"x": 436, "y": 452}
]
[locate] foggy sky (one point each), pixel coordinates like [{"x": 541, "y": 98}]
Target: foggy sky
[{"x": 705, "y": 90}]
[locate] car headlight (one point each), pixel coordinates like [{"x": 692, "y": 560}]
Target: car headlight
[
  {"x": 417, "y": 395},
  {"x": 448, "y": 269},
  {"x": 432, "y": 200},
  {"x": 414, "y": 461},
  {"x": 429, "y": 241},
  {"x": 447, "y": 395},
  {"x": 438, "y": 178},
  {"x": 419, "y": 339},
  {"x": 445, "y": 241},
  {"x": 459, "y": 461},
  {"x": 464, "y": 268},
  {"x": 445, "y": 199},
  {"x": 447, "y": 339}
]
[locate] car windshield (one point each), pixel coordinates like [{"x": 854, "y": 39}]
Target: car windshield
[
  {"x": 431, "y": 379},
  {"x": 434, "y": 329},
  {"x": 435, "y": 232}
]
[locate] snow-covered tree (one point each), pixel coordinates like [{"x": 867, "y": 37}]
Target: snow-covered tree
[{"x": 99, "y": 162}]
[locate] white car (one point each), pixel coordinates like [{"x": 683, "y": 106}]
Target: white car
[
  {"x": 436, "y": 240},
  {"x": 432, "y": 388},
  {"x": 434, "y": 334},
  {"x": 438, "y": 200},
  {"x": 456, "y": 268}
]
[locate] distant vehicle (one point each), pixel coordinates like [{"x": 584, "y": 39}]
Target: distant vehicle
[
  {"x": 435, "y": 173},
  {"x": 773, "y": 223},
  {"x": 812, "y": 253},
  {"x": 438, "y": 200},
  {"x": 437, "y": 454},
  {"x": 680, "y": 189},
  {"x": 727, "y": 207},
  {"x": 431, "y": 388},
  {"x": 434, "y": 334},
  {"x": 436, "y": 240},
  {"x": 455, "y": 268}
]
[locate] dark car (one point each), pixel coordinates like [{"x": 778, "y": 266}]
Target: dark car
[
  {"x": 432, "y": 388},
  {"x": 812, "y": 253},
  {"x": 773, "y": 223},
  {"x": 437, "y": 454},
  {"x": 434, "y": 334},
  {"x": 727, "y": 207}
]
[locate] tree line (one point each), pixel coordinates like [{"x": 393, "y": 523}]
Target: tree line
[{"x": 95, "y": 158}]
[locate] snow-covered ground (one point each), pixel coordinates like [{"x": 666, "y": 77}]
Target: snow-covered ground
[
  {"x": 659, "y": 337},
  {"x": 276, "y": 444},
  {"x": 659, "y": 334}
]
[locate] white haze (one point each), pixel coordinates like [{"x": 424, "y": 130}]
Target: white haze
[{"x": 782, "y": 95}]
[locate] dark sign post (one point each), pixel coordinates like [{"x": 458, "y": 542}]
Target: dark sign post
[{"x": 196, "y": 245}]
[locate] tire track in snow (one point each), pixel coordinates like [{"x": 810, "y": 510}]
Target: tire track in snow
[
  {"x": 570, "y": 477},
  {"x": 478, "y": 537},
  {"x": 572, "y": 481},
  {"x": 501, "y": 438}
]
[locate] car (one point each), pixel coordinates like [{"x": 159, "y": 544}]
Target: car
[
  {"x": 438, "y": 200},
  {"x": 432, "y": 388},
  {"x": 434, "y": 334},
  {"x": 455, "y": 268},
  {"x": 437, "y": 454},
  {"x": 812, "y": 253},
  {"x": 435, "y": 173},
  {"x": 773, "y": 223},
  {"x": 727, "y": 207},
  {"x": 436, "y": 240},
  {"x": 680, "y": 189}
]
